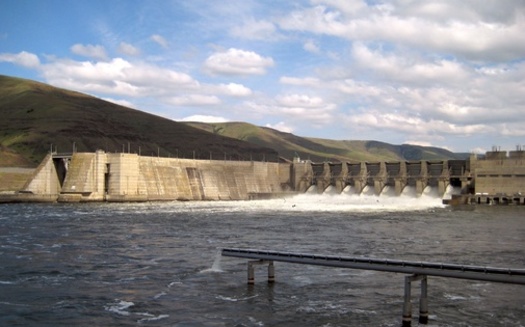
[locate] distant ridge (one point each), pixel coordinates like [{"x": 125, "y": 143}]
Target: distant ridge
[
  {"x": 315, "y": 149},
  {"x": 37, "y": 117}
]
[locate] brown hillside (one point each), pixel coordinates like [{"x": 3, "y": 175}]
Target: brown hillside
[{"x": 37, "y": 118}]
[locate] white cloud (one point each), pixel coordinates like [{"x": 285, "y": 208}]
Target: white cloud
[
  {"x": 419, "y": 142},
  {"x": 159, "y": 40},
  {"x": 90, "y": 51},
  {"x": 295, "y": 107},
  {"x": 120, "y": 102},
  {"x": 478, "y": 150},
  {"x": 281, "y": 126},
  {"x": 237, "y": 62},
  {"x": 300, "y": 100},
  {"x": 194, "y": 100},
  {"x": 234, "y": 89},
  {"x": 128, "y": 49},
  {"x": 403, "y": 68},
  {"x": 350, "y": 7},
  {"x": 205, "y": 119},
  {"x": 438, "y": 31},
  {"x": 411, "y": 124},
  {"x": 311, "y": 46},
  {"x": 116, "y": 76},
  {"x": 305, "y": 81},
  {"x": 25, "y": 59},
  {"x": 252, "y": 29},
  {"x": 358, "y": 88}
]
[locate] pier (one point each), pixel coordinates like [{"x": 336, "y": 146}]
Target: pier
[{"x": 416, "y": 271}]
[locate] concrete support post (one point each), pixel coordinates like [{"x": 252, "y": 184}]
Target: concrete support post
[
  {"x": 420, "y": 186},
  {"x": 251, "y": 273},
  {"x": 379, "y": 184},
  {"x": 423, "y": 303},
  {"x": 400, "y": 184},
  {"x": 407, "y": 305},
  {"x": 271, "y": 272},
  {"x": 442, "y": 186},
  {"x": 251, "y": 270},
  {"x": 340, "y": 181},
  {"x": 359, "y": 185}
]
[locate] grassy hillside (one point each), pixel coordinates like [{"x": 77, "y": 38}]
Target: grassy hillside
[
  {"x": 289, "y": 145},
  {"x": 37, "y": 117}
]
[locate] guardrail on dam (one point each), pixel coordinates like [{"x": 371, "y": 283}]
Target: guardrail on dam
[{"x": 100, "y": 176}]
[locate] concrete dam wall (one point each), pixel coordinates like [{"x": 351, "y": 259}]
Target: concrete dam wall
[
  {"x": 101, "y": 176},
  {"x": 128, "y": 177}
]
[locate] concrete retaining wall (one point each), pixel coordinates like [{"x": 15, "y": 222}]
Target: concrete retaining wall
[{"x": 129, "y": 177}]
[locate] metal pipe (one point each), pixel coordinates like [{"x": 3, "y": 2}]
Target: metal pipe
[{"x": 491, "y": 274}]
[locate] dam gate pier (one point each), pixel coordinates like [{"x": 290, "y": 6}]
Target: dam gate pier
[{"x": 378, "y": 175}]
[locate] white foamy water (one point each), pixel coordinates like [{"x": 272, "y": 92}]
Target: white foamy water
[
  {"x": 216, "y": 266},
  {"x": 120, "y": 307},
  {"x": 328, "y": 201}
]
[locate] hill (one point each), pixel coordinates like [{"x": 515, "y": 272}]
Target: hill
[
  {"x": 37, "y": 117},
  {"x": 315, "y": 149}
]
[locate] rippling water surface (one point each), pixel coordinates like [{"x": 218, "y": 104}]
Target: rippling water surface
[{"x": 157, "y": 263}]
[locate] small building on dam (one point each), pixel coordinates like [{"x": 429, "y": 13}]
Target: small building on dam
[{"x": 498, "y": 177}]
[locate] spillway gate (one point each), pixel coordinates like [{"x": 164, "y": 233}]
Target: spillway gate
[{"x": 417, "y": 271}]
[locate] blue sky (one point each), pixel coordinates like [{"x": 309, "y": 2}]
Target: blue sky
[{"x": 442, "y": 73}]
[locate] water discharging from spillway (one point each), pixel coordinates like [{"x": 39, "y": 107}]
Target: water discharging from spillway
[{"x": 350, "y": 200}]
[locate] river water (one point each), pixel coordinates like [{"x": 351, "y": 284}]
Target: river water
[{"x": 157, "y": 264}]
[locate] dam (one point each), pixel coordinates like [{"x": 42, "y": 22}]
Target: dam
[{"x": 115, "y": 177}]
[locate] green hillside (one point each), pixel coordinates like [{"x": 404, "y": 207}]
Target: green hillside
[
  {"x": 37, "y": 118},
  {"x": 315, "y": 149}
]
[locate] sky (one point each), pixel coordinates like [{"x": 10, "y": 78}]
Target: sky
[{"x": 439, "y": 73}]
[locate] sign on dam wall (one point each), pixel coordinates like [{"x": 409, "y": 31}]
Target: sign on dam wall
[{"x": 100, "y": 176}]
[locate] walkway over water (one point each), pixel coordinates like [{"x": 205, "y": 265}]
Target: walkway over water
[{"x": 418, "y": 271}]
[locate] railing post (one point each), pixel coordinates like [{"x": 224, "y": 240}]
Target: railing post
[
  {"x": 271, "y": 272},
  {"x": 407, "y": 305},
  {"x": 423, "y": 302}
]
